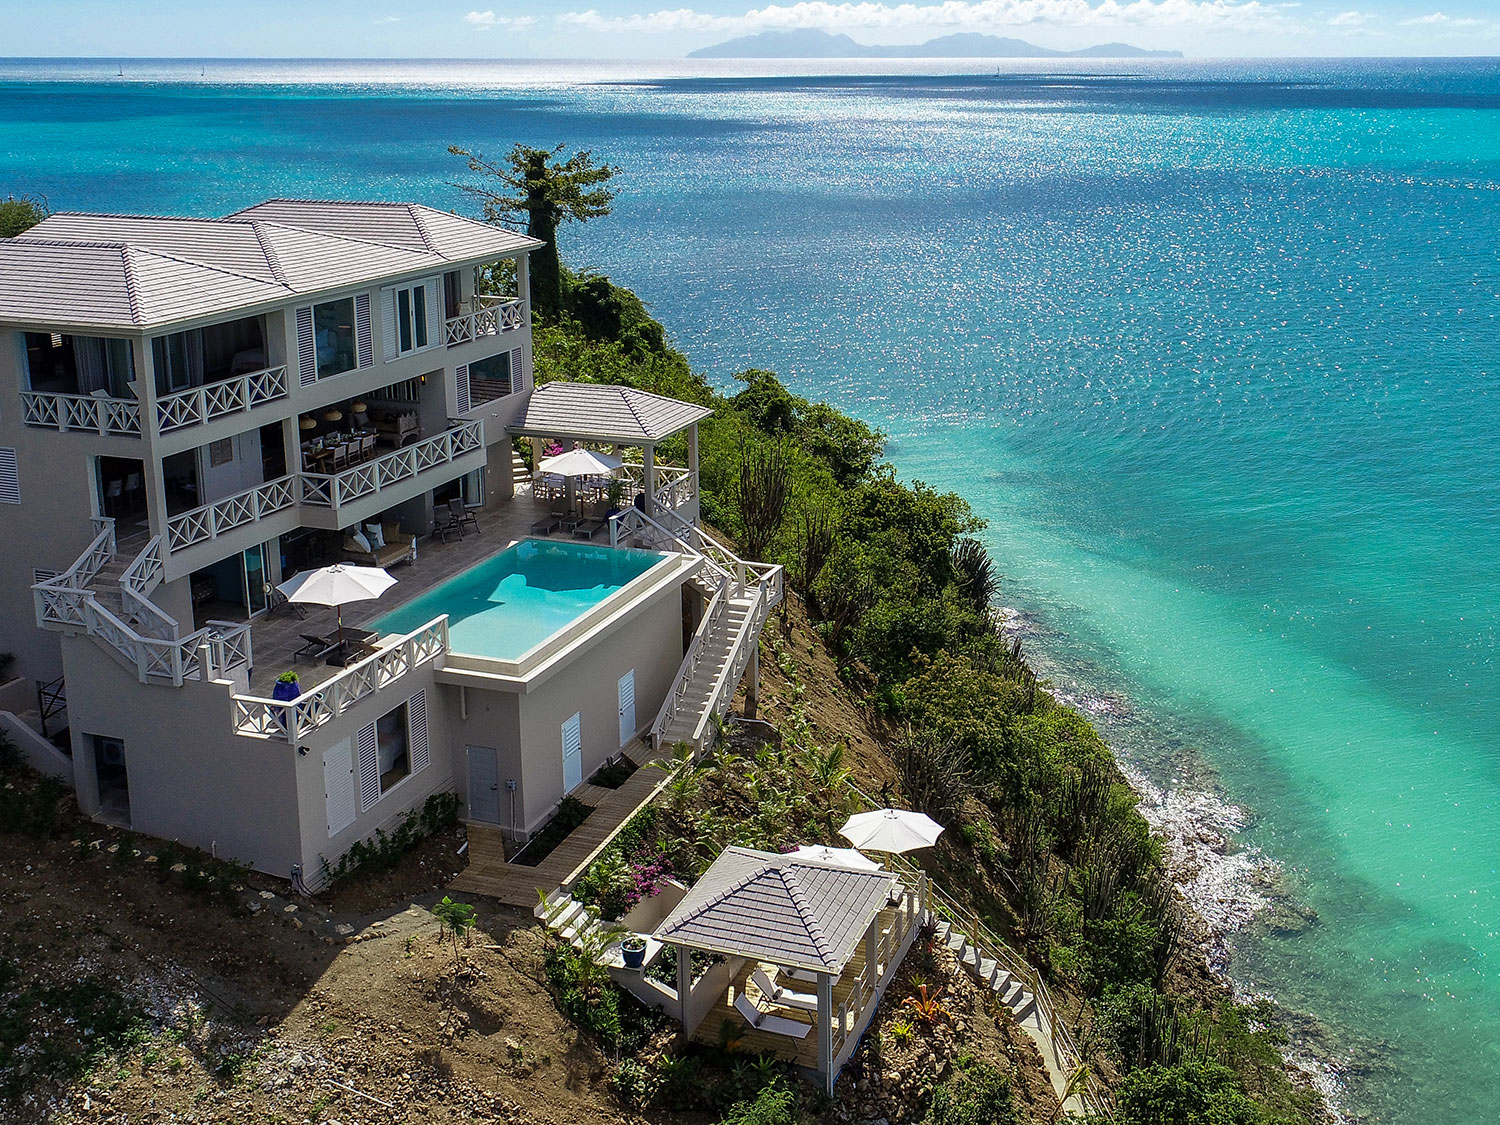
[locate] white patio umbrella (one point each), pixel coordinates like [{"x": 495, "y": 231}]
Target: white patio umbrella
[
  {"x": 581, "y": 463},
  {"x": 891, "y": 830},
  {"x": 834, "y": 857},
  {"x": 334, "y": 585}
]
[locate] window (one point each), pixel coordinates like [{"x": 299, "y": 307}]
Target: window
[
  {"x": 392, "y": 748},
  {"x": 333, "y": 337},
  {"x": 79, "y": 364},
  {"x": 412, "y": 315},
  {"x": 490, "y": 378}
]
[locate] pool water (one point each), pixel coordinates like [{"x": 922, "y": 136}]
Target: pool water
[{"x": 505, "y": 606}]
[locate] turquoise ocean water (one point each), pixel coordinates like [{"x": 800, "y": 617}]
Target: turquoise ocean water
[{"x": 1213, "y": 347}]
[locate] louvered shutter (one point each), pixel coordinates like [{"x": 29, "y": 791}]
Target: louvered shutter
[
  {"x": 518, "y": 381},
  {"x": 369, "y": 767},
  {"x": 39, "y": 576},
  {"x": 434, "y": 288},
  {"x": 461, "y": 391},
  {"x": 572, "y": 747},
  {"x": 416, "y": 710},
  {"x": 307, "y": 348},
  {"x": 10, "y": 476},
  {"x": 627, "y": 707},
  {"x": 364, "y": 346},
  {"x": 338, "y": 788},
  {"x": 388, "y": 323}
]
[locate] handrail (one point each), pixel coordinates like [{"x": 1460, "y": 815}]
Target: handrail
[
  {"x": 208, "y": 401},
  {"x": 136, "y": 583},
  {"x": 996, "y": 949},
  {"x": 633, "y": 521},
  {"x": 734, "y": 667},
  {"x": 490, "y": 317},
  {"x": 54, "y": 410},
  {"x": 209, "y": 521},
  {"x": 290, "y": 720},
  {"x": 333, "y": 490},
  {"x": 713, "y": 617}
]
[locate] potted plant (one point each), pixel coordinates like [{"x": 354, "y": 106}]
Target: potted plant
[
  {"x": 633, "y": 949},
  {"x": 287, "y": 687},
  {"x": 616, "y": 494}
]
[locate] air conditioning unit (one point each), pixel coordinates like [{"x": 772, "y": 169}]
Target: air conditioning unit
[{"x": 111, "y": 751}]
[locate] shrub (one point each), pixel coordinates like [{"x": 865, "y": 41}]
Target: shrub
[
  {"x": 1189, "y": 1094},
  {"x": 774, "y": 1105},
  {"x": 633, "y": 1083},
  {"x": 978, "y": 1095}
]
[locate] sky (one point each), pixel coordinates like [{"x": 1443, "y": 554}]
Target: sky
[{"x": 670, "y": 29}]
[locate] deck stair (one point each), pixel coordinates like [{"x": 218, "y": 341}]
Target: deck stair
[
  {"x": 696, "y": 693},
  {"x": 583, "y": 929}
]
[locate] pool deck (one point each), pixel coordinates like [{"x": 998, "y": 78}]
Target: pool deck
[{"x": 276, "y": 638}]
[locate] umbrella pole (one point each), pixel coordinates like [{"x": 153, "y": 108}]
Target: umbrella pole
[{"x": 339, "y": 609}]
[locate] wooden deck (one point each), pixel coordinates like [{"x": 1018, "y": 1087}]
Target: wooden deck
[
  {"x": 803, "y": 1052},
  {"x": 517, "y": 885}
]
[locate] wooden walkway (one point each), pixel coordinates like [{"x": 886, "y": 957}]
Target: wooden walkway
[{"x": 517, "y": 885}]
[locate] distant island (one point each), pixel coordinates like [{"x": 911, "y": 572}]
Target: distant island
[{"x": 812, "y": 44}]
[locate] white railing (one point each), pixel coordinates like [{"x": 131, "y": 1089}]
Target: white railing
[
  {"x": 633, "y": 524},
  {"x": 332, "y": 490},
  {"x": 145, "y": 573},
  {"x": 214, "y": 400},
  {"x": 59, "y": 599},
  {"x": 743, "y": 648},
  {"x": 709, "y": 629},
  {"x": 293, "y": 719},
  {"x": 491, "y": 316},
  {"x": 136, "y": 583},
  {"x": 212, "y": 520},
  {"x": 676, "y": 485},
  {"x": 850, "y": 1016},
  {"x": 119, "y": 417}
]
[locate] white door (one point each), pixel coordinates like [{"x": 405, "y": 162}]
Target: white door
[
  {"x": 338, "y": 787},
  {"x": 627, "y": 707},
  {"x": 484, "y": 785},
  {"x": 572, "y": 742}
]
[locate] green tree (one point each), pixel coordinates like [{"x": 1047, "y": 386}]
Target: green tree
[
  {"x": 1189, "y": 1094},
  {"x": 17, "y": 215},
  {"x": 457, "y": 919},
  {"x": 549, "y": 192}
]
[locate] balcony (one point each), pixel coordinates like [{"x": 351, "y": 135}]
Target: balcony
[
  {"x": 328, "y": 494},
  {"x": 94, "y": 413},
  {"x": 491, "y": 316},
  {"x": 215, "y": 400},
  {"x": 334, "y": 491}
]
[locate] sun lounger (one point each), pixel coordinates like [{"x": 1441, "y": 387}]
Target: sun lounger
[
  {"x": 806, "y": 976},
  {"x": 588, "y": 529},
  {"x": 784, "y": 997},
  {"x": 316, "y": 647},
  {"x": 765, "y": 1021},
  {"x": 546, "y": 526}
]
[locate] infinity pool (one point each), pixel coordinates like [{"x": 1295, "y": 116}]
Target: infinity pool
[{"x": 507, "y": 605}]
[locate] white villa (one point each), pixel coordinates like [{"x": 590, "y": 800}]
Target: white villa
[{"x": 193, "y": 410}]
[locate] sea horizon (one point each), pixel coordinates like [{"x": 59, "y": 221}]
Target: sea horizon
[{"x": 1211, "y": 344}]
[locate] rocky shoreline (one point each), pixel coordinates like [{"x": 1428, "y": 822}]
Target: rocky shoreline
[{"x": 1229, "y": 887}]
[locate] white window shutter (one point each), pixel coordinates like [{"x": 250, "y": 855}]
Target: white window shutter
[
  {"x": 10, "y": 476},
  {"x": 461, "y": 391},
  {"x": 518, "y": 382},
  {"x": 369, "y": 767},
  {"x": 435, "y": 327},
  {"x": 338, "y": 788},
  {"x": 364, "y": 347},
  {"x": 307, "y": 348},
  {"x": 388, "y": 323},
  {"x": 416, "y": 710}
]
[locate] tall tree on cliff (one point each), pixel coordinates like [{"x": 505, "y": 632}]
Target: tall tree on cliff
[{"x": 548, "y": 191}]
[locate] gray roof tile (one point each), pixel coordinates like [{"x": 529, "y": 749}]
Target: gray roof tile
[
  {"x": 600, "y": 412},
  {"x": 779, "y": 909},
  {"x": 141, "y": 271}
]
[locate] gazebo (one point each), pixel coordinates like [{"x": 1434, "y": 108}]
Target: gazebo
[
  {"x": 808, "y": 948},
  {"x": 619, "y": 416}
]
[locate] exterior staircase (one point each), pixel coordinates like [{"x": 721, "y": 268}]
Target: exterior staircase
[{"x": 695, "y": 696}]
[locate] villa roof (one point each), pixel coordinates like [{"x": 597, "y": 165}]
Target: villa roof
[
  {"x": 600, "y": 412},
  {"x": 143, "y": 271},
  {"x": 780, "y": 909}
]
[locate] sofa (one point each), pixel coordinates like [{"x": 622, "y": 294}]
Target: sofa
[{"x": 399, "y": 547}]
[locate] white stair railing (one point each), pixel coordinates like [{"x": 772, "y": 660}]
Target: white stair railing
[{"x": 708, "y": 631}]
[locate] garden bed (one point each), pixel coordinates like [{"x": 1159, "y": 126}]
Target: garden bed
[{"x": 570, "y": 814}]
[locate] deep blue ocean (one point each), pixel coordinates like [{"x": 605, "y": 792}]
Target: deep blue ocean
[{"x": 1212, "y": 346}]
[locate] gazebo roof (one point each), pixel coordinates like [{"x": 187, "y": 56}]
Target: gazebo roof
[
  {"x": 603, "y": 412},
  {"x": 780, "y": 909}
]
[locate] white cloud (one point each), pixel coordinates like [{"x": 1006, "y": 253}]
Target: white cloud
[
  {"x": 389, "y": 19},
  {"x": 1442, "y": 19},
  {"x": 1350, "y": 19},
  {"x": 1223, "y": 15},
  {"x": 485, "y": 20}
]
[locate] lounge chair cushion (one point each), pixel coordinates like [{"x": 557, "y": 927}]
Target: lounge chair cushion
[
  {"x": 376, "y": 535},
  {"x": 784, "y": 997},
  {"x": 361, "y": 540},
  {"x": 764, "y": 1021}
]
